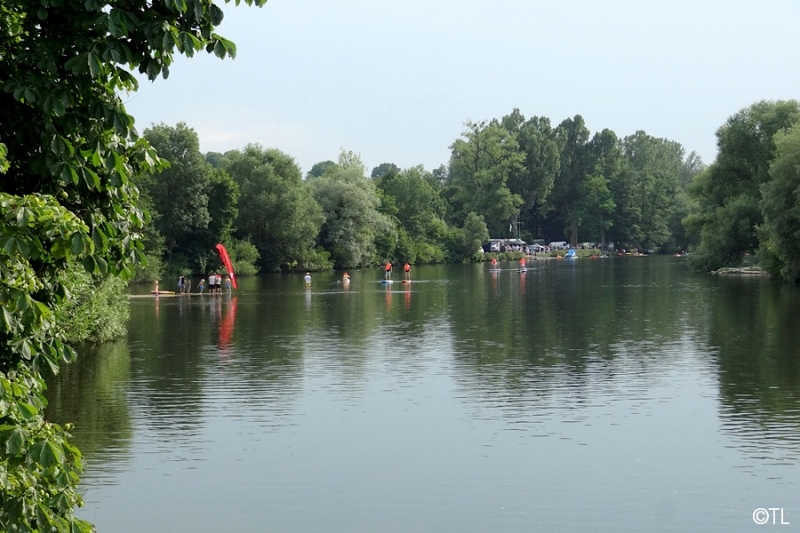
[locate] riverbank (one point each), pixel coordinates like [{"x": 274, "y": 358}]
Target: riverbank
[{"x": 742, "y": 271}]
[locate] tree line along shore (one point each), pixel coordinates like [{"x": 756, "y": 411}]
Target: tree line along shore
[{"x": 507, "y": 177}]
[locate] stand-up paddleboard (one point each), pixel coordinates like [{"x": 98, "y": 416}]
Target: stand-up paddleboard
[
  {"x": 406, "y": 281},
  {"x": 157, "y": 293},
  {"x": 387, "y": 281},
  {"x": 495, "y": 269},
  {"x": 522, "y": 270}
]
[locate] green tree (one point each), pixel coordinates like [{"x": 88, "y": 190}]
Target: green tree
[
  {"x": 383, "y": 169},
  {"x": 481, "y": 163},
  {"x": 463, "y": 243},
  {"x": 680, "y": 239},
  {"x": 213, "y": 158},
  {"x": 277, "y": 212},
  {"x": 594, "y": 206},
  {"x": 223, "y": 202},
  {"x": 596, "y": 203},
  {"x": 534, "y": 180},
  {"x": 652, "y": 168},
  {"x": 319, "y": 168},
  {"x": 192, "y": 204},
  {"x": 69, "y": 152},
  {"x": 780, "y": 204},
  {"x": 355, "y": 233},
  {"x": 179, "y": 193},
  {"x": 410, "y": 198},
  {"x": 728, "y": 193},
  {"x": 573, "y": 136}
]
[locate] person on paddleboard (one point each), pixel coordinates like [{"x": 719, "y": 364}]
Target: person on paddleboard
[
  {"x": 523, "y": 263},
  {"x": 308, "y": 279},
  {"x": 388, "y": 274},
  {"x": 494, "y": 262},
  {"x": 345, "y": 278},
  {"x": 407, "y": 271}
]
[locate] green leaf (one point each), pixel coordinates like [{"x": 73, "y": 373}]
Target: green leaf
[
  {"x": 90, "y": 264},
  {"x": 52, "y": 454},
  {"x": 27, "y": 411},
  {"x": 77, "y": 244},
  {"x": 25, "y": 346},
  {"x": 10, "y": 246},
  {"x": 114, "y": 28},
  {"x": 102, "y": 264},
  {"x": 215, "y": 14},
  {"x": 94, "y": 65},
  {"x": 58, "y": 108},
  {"x": 16, "y": 438},
  {"x": 100, "y": 240},
  {"x": 219, "y": 49},
  {"x": 7, "y": 320}
]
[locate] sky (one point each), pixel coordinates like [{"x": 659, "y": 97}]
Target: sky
[{"x": 396, "y": 81}]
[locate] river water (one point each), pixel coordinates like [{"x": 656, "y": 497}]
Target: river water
[{"x": 623, "y": 395}]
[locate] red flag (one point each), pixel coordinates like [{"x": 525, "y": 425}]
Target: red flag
[{"x": 226, "y": 260}]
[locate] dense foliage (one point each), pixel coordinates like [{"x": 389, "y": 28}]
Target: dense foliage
[
  {"x": 729, "y": 209},
  {"x": 506, "y": 178},
  {"x": 68, "y": 158}
]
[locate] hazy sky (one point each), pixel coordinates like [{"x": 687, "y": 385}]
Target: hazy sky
[{"x": 395, "y": 81}]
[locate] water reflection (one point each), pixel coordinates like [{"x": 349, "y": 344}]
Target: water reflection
[
  {"x": 226, "y": 328},
  {"x": 632, "y": 377},
  {"x": 755, "y": 338},
  {"x": 93, "y": 393}
]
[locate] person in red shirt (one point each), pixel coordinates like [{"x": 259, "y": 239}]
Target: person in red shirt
[
  {"x": 407, "y": 270},
  {"x": 388, "y": 274},
  {"x": 523, "y": 263}
]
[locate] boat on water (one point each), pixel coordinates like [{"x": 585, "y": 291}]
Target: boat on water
[{"x": 571, "y": 254}]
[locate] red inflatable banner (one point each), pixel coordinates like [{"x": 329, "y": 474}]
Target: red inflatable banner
[{"x": 226, "y": 260}]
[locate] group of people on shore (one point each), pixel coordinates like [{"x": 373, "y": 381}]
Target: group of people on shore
[{"x": 216, "y": 285}]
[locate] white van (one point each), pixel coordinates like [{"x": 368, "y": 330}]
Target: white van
[{"x": 558, "y": 245}]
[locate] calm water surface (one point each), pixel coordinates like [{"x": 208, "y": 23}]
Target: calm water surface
[{"x": 623, "y": 395}]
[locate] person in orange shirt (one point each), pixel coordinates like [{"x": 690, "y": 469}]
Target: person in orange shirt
[
  {"x": 388, "y": 274},
  {"x": 494, "y": 262},
  {"x": 407, "y": 270},
  {"x": 523, "y": 263}
]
